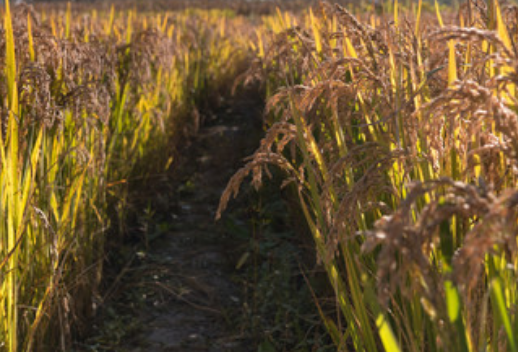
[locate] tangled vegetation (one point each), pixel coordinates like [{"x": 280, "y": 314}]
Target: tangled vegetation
[
  {"x": 396, "y": 125},
  {"x": 89, "y": 100},
  {"x": 399, "y": 131}
]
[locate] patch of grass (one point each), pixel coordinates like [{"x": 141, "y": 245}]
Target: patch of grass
[{"x": 278, "y": 312}]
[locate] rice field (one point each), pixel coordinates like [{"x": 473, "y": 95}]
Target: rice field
[
  {"x": 90, "y": 99},
  {"x": 394, "y": 124}
]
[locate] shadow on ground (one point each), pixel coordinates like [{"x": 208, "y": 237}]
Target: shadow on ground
[{"x": 191, "y": 284}]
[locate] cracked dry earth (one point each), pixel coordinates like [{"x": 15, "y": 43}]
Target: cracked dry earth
[{"x": 185, "y": 278}]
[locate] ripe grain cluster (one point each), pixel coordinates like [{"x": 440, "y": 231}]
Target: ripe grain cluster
[
  {"x": 89, "y": 100},
  {"x": 397, "y": 127}
]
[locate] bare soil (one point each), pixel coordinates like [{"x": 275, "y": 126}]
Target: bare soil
[{"x": 178, "y": 291}]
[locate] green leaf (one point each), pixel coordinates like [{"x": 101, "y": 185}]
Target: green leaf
[
  {"x": 452, "y": 301},
  {"x": 497, "y": 295},
  {"x": 387, "y": 336}
]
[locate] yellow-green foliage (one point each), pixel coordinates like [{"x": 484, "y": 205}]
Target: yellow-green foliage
[
  {"x": 85, "y": 96},
  {"x": 398, "y": 127}
]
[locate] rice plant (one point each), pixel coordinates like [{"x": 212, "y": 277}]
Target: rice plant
[
  {"x": 396, "y": 124},
  {"x": 399, "y": 132},
  {"x": 90, "y": 99}
]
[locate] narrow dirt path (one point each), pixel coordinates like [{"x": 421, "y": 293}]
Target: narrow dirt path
[{"x": 188, "y": 299}]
